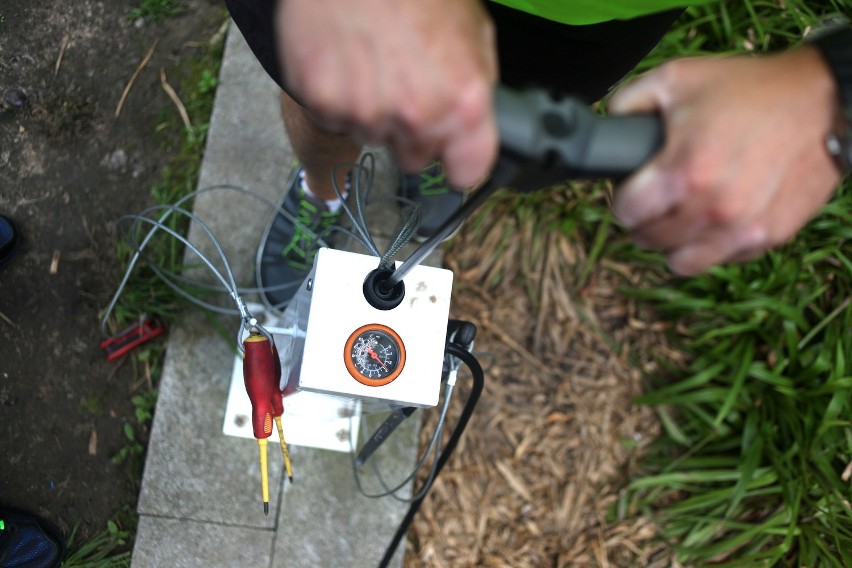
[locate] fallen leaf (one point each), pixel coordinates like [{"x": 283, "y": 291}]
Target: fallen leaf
[
  {"x": 93, "y": 443},
  {"x": 54, "y": 262}
]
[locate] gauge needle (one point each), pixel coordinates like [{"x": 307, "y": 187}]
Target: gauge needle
[{"x": 375, "y": 356}]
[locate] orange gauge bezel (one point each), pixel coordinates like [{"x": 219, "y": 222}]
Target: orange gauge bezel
[{"x": 350, "y": 365}]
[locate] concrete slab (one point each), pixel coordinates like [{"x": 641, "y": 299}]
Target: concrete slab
[
  {"x": 200, "y": 503},
  {"x": 191, "y": 544},
  {"x": 325, "y": 519}
]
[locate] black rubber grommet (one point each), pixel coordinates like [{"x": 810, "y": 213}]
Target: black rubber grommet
[{"x": 379, "y": 296}]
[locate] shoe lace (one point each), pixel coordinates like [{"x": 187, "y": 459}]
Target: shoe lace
[
  {"x": 302, "y": 248},
  {"x": 433, "y": 180}
]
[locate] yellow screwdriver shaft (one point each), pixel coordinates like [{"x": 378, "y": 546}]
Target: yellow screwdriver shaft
[
  {"x": 262, "y": 444},
  {"x": 284, "y": 449}
]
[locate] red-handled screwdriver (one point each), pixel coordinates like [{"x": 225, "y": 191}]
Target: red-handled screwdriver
[{"x": 262, "y": 372}]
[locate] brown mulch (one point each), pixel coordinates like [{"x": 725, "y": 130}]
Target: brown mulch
[{"x": 538, "y": 478}]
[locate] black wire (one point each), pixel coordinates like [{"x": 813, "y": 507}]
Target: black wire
[{"x": 478, "y": 382}]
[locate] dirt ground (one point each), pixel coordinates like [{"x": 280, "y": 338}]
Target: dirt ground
[{"x": 68, "y": 169}]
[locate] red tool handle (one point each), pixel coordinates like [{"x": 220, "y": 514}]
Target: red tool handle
[
  {"x": 135, "y": 335},
  {"x": 262, "y": 374}
]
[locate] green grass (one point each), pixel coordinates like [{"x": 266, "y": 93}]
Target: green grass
[
  {"x": 738, "y": 26},
  {"x": 758, "y": 426},
  {"x": 155, "y": 10},
  {"x": 100, "y": 551},
  {"x": 145, "y": 292}
]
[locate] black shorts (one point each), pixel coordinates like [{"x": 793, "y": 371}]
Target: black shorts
[{"x": 585, "y": 61}]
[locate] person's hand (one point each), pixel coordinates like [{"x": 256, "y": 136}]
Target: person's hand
[
  {"x": 744, "y": 164},
  {"x": 415, "y": 74}
]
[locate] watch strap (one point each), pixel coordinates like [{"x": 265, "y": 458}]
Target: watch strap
[
  {"x": 835, "y": 45},
  {"x": 836, "y": 48}
]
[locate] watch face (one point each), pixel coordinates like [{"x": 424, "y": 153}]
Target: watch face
[
  {"x": 840, "y": 149},
  {"x": 374, "y": 355}
]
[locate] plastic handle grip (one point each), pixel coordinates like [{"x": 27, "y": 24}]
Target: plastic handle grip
[
  {"x": 561, "y": 139},
  {"x": 620, "y": 145},
  {"x": 261, "y": 372},
  {"x": 544, "y": 141}
]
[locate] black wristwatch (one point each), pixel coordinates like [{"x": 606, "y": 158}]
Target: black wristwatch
[{"x": 834, "y": 42}]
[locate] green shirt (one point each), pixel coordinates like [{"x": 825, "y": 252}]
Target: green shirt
[{"x": 580, "y": 12}]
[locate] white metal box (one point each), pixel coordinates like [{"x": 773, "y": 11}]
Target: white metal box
[{"x": 330, "y": 308}]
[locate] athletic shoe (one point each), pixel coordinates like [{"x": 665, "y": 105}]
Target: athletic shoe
[
  {"x": 29, "y": 542},
  {"x": 286, "y": 252},
  {"x": 437, "y": 200},
  {"x": 9, "y": 240}
]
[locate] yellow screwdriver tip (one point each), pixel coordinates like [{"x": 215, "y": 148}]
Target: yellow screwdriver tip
[{"x": 266, "y": 509}]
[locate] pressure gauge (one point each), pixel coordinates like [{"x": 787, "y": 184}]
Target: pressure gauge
[{"x": 374, "y": 355}]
